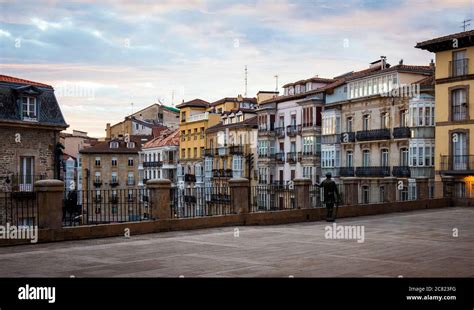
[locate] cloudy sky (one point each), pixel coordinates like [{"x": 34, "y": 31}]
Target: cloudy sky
[{"x": 101, "y": 56}]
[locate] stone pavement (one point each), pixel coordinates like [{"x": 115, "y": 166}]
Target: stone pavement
[{"x": 411, "y": 244}]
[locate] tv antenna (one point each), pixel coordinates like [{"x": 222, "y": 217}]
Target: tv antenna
[
  {"x": 465, "y": 24},
  {"x": 276, "y": 82}
]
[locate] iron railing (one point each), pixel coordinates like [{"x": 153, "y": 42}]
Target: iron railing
[
  {"x": 401, "y": 171},
  {"x": 200, "y": 201},
  {"x": 372, "y": 171},
  {"x": 280, "y": 132},
  {"x": 346, "y": 171},
  {"x": 272, "y": 198},
  {"x": 18, "y": 209},
  {"x": 280, "y": 157},
  {"x": 22, "y": 183},
  {"x": 292, "y": 157},
  {"x": 376, "y": 134},
  {"x": 293, "y": 130},
  {"x": 401, "y": 132},
  {"x": 152, "y": 164},
  {"x": 457, "y": 163}
]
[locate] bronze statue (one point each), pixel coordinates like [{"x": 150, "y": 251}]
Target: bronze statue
[{"x": 331, "y": 196}]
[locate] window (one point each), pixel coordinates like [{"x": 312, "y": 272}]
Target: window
[
  {"x": 411, "y": 191},
  {"x": 130, "y": 178},
  {"x": 366, "y": 122},
  {"x": 459, "y": 150},
  {"x": 330, "y": 157},
  {"x": 421, "y": 153},
  {"x": 404, "y": 157},
  {"x": 114, "y": 161},
  {"x": 384, "y": 158},
  {"x": 183, "y": 135},
  {"x": 114, "y": 145},
  {"x": 282, "y": 121},
  {"x": 308, "y": 145},
  {"x": 195, "y": 133},
  {"x": 308, "y": 172},
  {"x": 202, "y": 132},
  {"x": 195, "y": 152},
  {"x": 331, "y": 122},
  {"x": 237, "y": 166},
  {"x": 183, "y": 153},
  {"x": 136, "y": 126},
  {"x": 404, "y": 118},
  {"x": 130, "y": 161},
  {"x": 97, "y": 161},
  {"x": 114, "y": 177},
  {"x": 366, "y": 158},
  {"x": 27, "y": 168},
  {"x": 349, "y": 159},
  {"x": 97, "y": 177},
  {"x": 183, "y": 117},
  {"x": 365, "y": 194},
  {"x": 459, "y": 63},
  {"x": 382, "y": 194},
  {"x": 385, "y": 120},
  {"x": 29, "y": 108},
  {"x": 131, "y": 145},
  {"x": 458, "y": 104},
  {"x": 349, "y": 124},
  {"x": 189, "y": 152},
  {"x": 263, "y": 148}
]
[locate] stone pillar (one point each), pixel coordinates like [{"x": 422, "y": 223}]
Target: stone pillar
[
  {"x": 422, "y": 189},
  {"x": 160, "y": 193},
  {"x": 240, "y": 195},
  {"x": 49, "y": 196},
  {"x": 350, "y": 196},
  {"x": 302, "y": 187}
]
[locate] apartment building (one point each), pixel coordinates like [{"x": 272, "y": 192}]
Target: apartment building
[
  {"x": 378, "y": 132},
  {"x": 454, "y": 143},
  {"x": 159, "y": 158},
  {"x": 289, "y": 129},
  {"x": 231, "y": 147},
  {"x": 195, "y": 118}
]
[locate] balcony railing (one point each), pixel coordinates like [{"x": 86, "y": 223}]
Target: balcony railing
[
  {"x": 222, "y": 173},
  {"x": 152, "y": 164},
  {"x": 189, "y": 177},
  {"x": 310, "y": 153},
  {"x": 459, "y": 113},
  {"x": 292, "y": 157},
  {"x": 114, "y": 183},
  {"x": 209, "y": 152},
  {"x": 347, "y": 137},
  {"x": 280, "y": 132},
  {"x": 372, "y": 171},
  {"x": 236, "y": 149},
  {"x": 198, "y": 117},
  {"x": 346, "y": 171},
  {"x": 459, "y": 67},
  {"x": 457, "y": 164},
  {"x": 293, "y": 130},
  {"x": 222, "y": 151},
  {"x": 401, "y": 132},
  {"x": 401, "y": 171},
  {"x": 97, "y": 183},
  {"x": 376, "y": 134},
  {"x": 280, "y": 157}
]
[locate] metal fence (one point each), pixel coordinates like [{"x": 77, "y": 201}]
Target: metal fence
[
  {"x": 272, "y": 197},
  {"x": 18, "y": 208},
  {"x": 200, "y": 201},
  {"x": 106, "y": 206}
]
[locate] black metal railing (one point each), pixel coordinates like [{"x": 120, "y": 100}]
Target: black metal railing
[
  {"x": 272, "y": 197},
  {"x": 97, "y": 183},
  {"x": 375, "y": 134},
  {"x": 293, "y": 130},
  {"x": 315, "y": 196},
  {"x": 200, "y": 201},
  {"x": 22, "y": 183},
  {"x": 459, "y": 67},
  {"x": 457, "y": 163},
  {"x": 152, "y": 164},
  {"x": 18, "y": 209},
  {"x": 401, "y": 132},
  {"x": 105, "y": 206},
  {"x": 222, "y": 173},
  {"x": 209, "y": 152},
  {"x": 292, "y": 157},
  {"x": 347, "y": 137},
  {"x": 372, "y": 171},
  {"x": 189, "y": 177},
  {"x": 401, "y": 171},
  {"x": 280, "y": 132},
  {"x": 280, "y": 157},
  {"x": 114, "y": 183},
  {"x": 236, "y": 149},
  {"x": 346, "y": 171}
]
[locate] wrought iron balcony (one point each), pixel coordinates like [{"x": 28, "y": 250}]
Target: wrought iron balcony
[
  {"x": 97, "y": 183},
  {"x": 292, "y": 157},
  {"x": 372, "y": 171},
  {"x": 346, "y": 171},
  {"x": 347, "y": 137},
  {"x": 236, "y": 149},
  {"x": 457, "y": 164},
  {"x": 309, "y": 153},
  {"x": 189, "y": 177},
  {"x": 401, "y": 132},
  {"x": 376, "y": 134},
  {"x": 209, "y": 152},
  {"x": 293, "y": 130},
  {"x": 152, "y": 164},
  {"x": 459, "y": 67},
  {"x": 280, "y": 132},
  {"x": 222, "y": 173},
  {"x": 280, "y": 157},
  {"x": 114, "y": 183},
  {"x": 401, "y": 171}
]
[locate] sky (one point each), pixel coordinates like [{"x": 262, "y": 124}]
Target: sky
[{"x": 108, "y": 58}]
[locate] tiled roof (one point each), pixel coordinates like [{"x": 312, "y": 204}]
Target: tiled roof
[
  {"x": 157, "y": 130},
  {"x": 250, "y": 122},
  {"x": 314, "y": 79},
  {"x": 170, "y": 138},
  {"x": 425, "y": 44},
  {"x": 11, "y": 79},
  {"x": 243, "y": 110},
  {"x": 194, "y": 103},
  {"x": 172, "y": 109},
  {"x": 103, "y": 147}
]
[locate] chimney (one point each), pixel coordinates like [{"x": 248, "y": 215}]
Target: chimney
[
  {"x": 107, "y": 131},
  {"x": 432, "y": 65},
  {"x": 383, "y": 60}
]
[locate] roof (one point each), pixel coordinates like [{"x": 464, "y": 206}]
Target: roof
[
  {"x": 314, "y": 79},
  {"x": 156, "y": 130},
  {"x": 234, "y": 99},
  {"x": 243, "y": 110},
  {"x": 172, "y": 109},
  {"x": 248, "y": 123},
  {"x": 104, "y": 147},
  {"x": 465, "y": 38},
  {"x": 170, "y": 138},
  {"x": 15, "y": 80},
  {"x": 194, "y": 103}
]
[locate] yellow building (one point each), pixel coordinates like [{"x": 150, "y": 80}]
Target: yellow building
[
  {"x": 454, "y": 146},
  {"x": 194, "y": 120}
]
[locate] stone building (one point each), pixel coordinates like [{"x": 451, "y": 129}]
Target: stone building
[{"x": 30, "y": 123}]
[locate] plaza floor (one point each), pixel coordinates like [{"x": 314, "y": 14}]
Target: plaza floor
[{"x": 410, "y": 244}]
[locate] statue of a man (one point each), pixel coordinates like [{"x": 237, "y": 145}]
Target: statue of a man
[{"x": 331, "y": 196}]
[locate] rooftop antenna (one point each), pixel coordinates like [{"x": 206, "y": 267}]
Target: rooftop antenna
[
  {"x": 246, "y": 80},
  {"x": 465, "y": 24},
  {"x": 276, "y": 82}
]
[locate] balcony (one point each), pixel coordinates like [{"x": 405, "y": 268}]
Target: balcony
[
  {"x": 280, "y": 157},
  {"x": 97, "y": 183},
  {"x": 280, "y": 132},
  {"x": 198, "y": 117},
  {"x": 23, "y": 183},
  {"x": 222, "y": 173},
  {"x": 346, "y": 171},
  {"x": 401, "y": 171},
  {"x": 311, "y": 153},
  {"x": 347, "y": 137},
  {"x": 236, "y": 149},
  {"x": 189, "y": 177},
  {"x": 152, "y": 164},
  {"x": 114, "y": 183},
  {"x": 372, "y": 171},
  {"x": 266, "y": 130},
  {"x": 222, "y": 151},
  {"x": 459, "y": 67},
  {"x": 130, "y": 182},
  {"x": 376, "y": 134},
  {"x": 401, "y": 132},
  {"x": 457, "y": 164},
  {"x": 292, "y": 157},
  {"x": 293, "y": 130}
]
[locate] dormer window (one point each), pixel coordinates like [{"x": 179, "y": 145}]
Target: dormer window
[
  {"x": 29, "y": 108},
  {"x": 114, "y": 145},
  {"x": 131, "y": 145}
]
